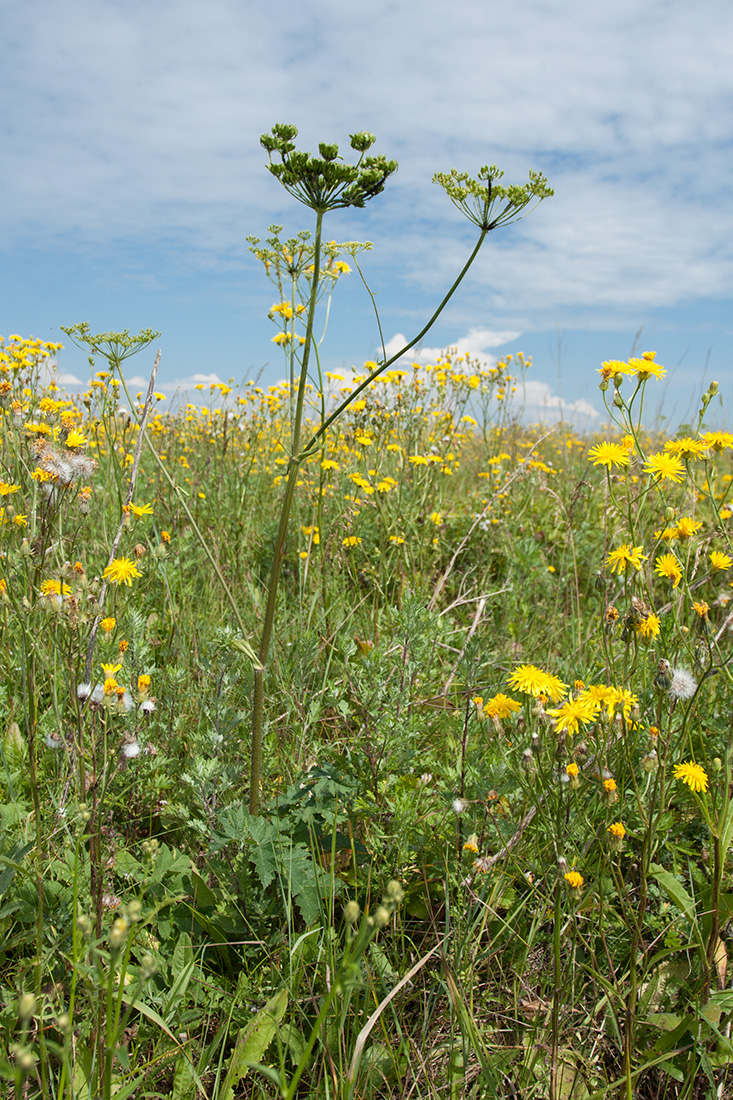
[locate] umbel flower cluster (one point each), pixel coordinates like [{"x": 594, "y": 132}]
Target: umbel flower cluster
[{"x": 327, "y": 182}]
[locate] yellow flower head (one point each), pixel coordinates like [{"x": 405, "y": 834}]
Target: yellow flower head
[
  {"x": 108, "y": 625},
  {"x": 501, "y": 706},
  {"x": 531, "y": 680},
  {"x": 667, "y": 566},
  {"x": 665, "y": 467},
  {"x": 574, "y": 880},
  {"x": 121, "y": 571},
  {"x": 693, "y": 775},
  {"x": 646, "y": 367},
  {"x": 75, "y": 439},
  {"x": 617, "y": 830},
  {"x": 625, "y": 555},
  {"x": 572, "y": 770},
  {"x": 609, "y": 454},
  {"x": 648, "y": 627},
  {"x": 720, "y": 561},
  {"x": 572, "y": 712}
]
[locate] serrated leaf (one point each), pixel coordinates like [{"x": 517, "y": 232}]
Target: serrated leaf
[{"x": 253, "y": 1041}]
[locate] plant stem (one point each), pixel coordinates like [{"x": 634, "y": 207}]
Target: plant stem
[{"x": 258, "y": 703}]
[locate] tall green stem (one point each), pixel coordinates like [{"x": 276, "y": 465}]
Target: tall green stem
[{"x": 258, "y": 704}]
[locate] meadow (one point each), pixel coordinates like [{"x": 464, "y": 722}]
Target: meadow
[{"x": 358, "y": 738}]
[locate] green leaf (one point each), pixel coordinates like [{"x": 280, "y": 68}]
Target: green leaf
[
  {"x": 676, "y": 891},
  {"x": 253, "y": 1041}
]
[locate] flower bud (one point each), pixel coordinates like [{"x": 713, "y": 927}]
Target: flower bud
[
  {"x": 118, "y": 933},
  {"x": 27, "y": 1006},
  {"x": 713, "y": 388},
  {"x": 352, "y": 912},
  {"x": 381, "y": 916}
]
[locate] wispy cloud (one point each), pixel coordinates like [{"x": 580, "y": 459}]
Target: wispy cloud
[{"x": 136, "y": 126}]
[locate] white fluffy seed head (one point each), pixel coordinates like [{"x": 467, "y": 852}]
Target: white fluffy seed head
[{"x": 684, "y": 684}]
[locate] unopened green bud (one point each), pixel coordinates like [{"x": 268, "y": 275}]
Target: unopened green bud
[
  {"x": 381, "y": 916},
  {"x": 717, "y": 764},
  {"x": 713, "y": 388},
  {"x": 118, "y": 933},
  {"x": 147, "y": 965},
  {"x": 27, "y": 1006},
  {"x": 25, "y": 1059},
  {"x": 352, "y": 912},
  {"x": 134, "y": 911},
  {"x": 618, "y": 400},
  {"x": 328, "y": 152},
  {"x": 25, "y": 548},
  {"x": 618, "y": 380},
  {"x": 84, "y": 924},
  {"x": 63, "y": 1022},
  {"x": 603, "y": 384},
  {"x": 395, "y": 893}
]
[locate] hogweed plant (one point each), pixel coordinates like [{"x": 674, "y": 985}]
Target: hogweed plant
[{"x": 325, "y": 183}]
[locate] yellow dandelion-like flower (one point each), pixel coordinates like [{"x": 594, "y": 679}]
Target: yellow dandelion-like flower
[
  {"x": 122, "y": 571},
  {"x": 572, "y": 770},
  {"x": 717, "y": 441},
  {"x": 648, "y": 627},
  {"x": 617, "y": 830},
  {"x": 614, "y": 366},
  {"x": 702, "y": 608},
  {"x": 141, "y": 509},
  {"x": 351, "y": 540},
  {"x": 609, "y": 786},
  {"x": 75, "y": 439},
  {"x": 720, "y": 561},
  {"x": 687, "y": 448},
  {"x": 108, "y": 625},
  {"x": 6, "y": 489},
  {"x": 501, "y": 706},
  {"x": 531, "y": 680},
  {"x": 646, "y": 367},
  {"x": 54, "y": 588},
  {"x": 609, "y": 454},
  {"x": 667, "y": 566},
  {"x": 574, "y": 879},
  {"x": 687, "y": 527},
  {"x": 665, "y": 467},
  {"x": 625, "y": 555},
  {"x": 572, "y": 713},
  {"x": 693, "y": 775}
]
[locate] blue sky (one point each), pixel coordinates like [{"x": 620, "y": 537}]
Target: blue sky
[{"x": 132, "y": 174}]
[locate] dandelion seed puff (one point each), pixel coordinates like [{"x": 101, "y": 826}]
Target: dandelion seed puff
[
  {"x": 52, "y": 742},
  {"x": 98, "y": 694},
  {"x": 458, "y": 805},
  {"x": 132, "y": 750},
  {"x": 148, "y": 706},
  {"x": 684, "y": 684},
  {"x": 83, "y": 691}
]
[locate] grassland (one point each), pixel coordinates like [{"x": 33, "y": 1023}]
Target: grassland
[{"x": 491, "y": 857}]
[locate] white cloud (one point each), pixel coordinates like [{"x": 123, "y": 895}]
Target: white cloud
[
  {"x": 534, "y": 398},
  {"x": 140, "y": 122},
  {"x": 68, "y": 380},
  {"x": 474, "y": 343},
  {"x": 540, "y": 403}
]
